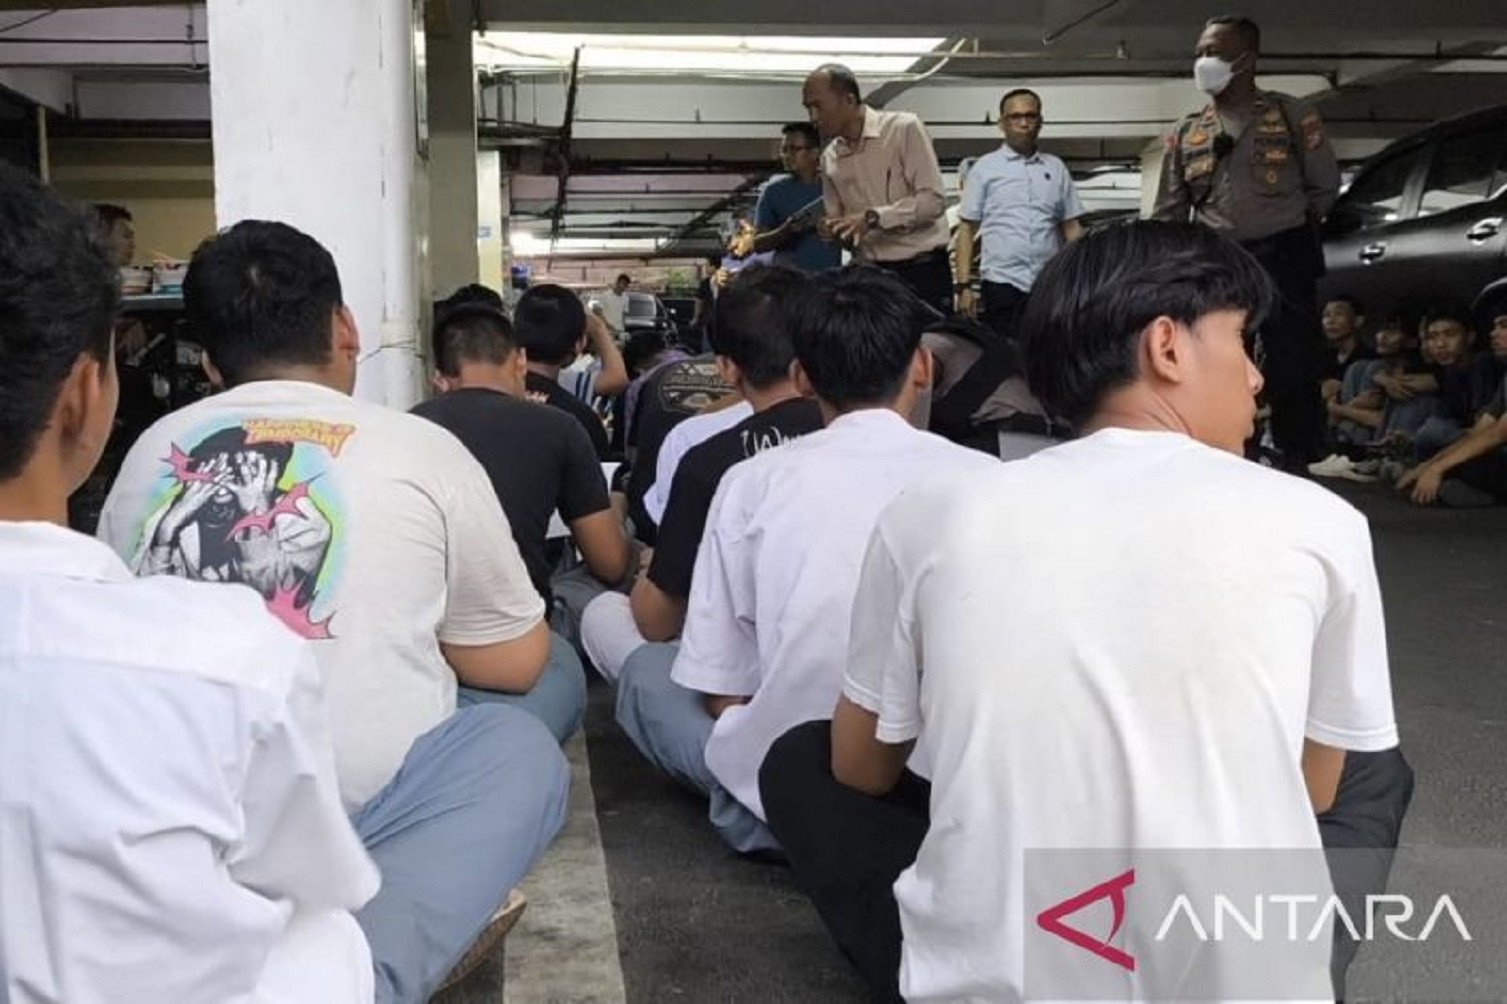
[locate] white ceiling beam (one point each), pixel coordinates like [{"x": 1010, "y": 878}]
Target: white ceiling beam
[
  {"x": 122, "y": 36},
  {"x": 47, "y": 87}
]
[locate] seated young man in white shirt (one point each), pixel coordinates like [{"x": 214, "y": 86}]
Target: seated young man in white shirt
[
  {"x": 172, "y": 830},
  {"x": 377, "y": 536},
  {"x": 1134, "y": 640},
  {"x": 766, "y": 629},
  {"x": 752, "y": 340}
]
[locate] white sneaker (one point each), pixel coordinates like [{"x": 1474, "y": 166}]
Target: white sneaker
[{"x": 1333, "y": 466}]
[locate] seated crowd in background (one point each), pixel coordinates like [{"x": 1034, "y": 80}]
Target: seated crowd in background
[
  {"x": 1423, "y": 406},
  {"x": 328, "y": 714}
]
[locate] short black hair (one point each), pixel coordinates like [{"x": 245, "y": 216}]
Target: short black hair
[
  {"x": 855, "y": 331},
  {"x": 1352, "y": 301},
  {"x": 805, "y": 130},
  {"x": 1088, "y": 308},
  {"x": 110, "y": 214},
  {"x": 1019, "y": 92},
  {"x": 58, "y": 298},
  {"x": 548, "y": 322},
  {"x": 1248, "y": 31},
  {"x": 473, "y": 292},
  {"x": 1448, "y": 312},
  {"x": 749, "y": 325},
  {"x": 471, "y": 332},
  {"x": 841, "y": 78},
  {"x": 624, "y": 277},
  {"x": 464, "y": 299},
  {"x": 641, "y": 349},
  {"x": 1491, "y": 304},
  {"x": 261, "y": 294}
]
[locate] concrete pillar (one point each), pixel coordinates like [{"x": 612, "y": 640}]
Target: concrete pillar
[
  {"x": 314, "y": 124},
  {"x": 491, "y": 253},
  {"x": 451, "y": 78}
]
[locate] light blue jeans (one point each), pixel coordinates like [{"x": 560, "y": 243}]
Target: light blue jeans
[
  {"x": 475, "y": 803},
  {"x": 670, "y": 726},
  {"x": 559, "y": 695}
]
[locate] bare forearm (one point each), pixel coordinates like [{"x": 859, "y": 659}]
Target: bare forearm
[
  {"x": 963, "y": 250},
  {"x": 658, "y": 615},
  {"x": 1480, "y": 441},
  {"x": 613, "y": 378},
  {"x": 859, "y": 759}
]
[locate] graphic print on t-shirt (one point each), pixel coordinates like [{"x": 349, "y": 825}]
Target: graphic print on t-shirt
[{"x": 252, "y": 502}]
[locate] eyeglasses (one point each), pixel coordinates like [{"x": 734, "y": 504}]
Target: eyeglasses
[{"x": 1024, "y": 116}]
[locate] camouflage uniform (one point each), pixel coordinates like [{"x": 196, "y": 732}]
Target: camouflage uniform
[{"x": 1267, "y": 188}]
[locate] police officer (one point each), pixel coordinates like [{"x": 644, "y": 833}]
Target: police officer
[{"x": 1257, "y": 166}]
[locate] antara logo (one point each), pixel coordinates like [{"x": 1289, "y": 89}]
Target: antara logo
[{"x": 1050, "y": 919}]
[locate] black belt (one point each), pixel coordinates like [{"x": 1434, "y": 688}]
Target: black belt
[{"x": 915, "y": 259}]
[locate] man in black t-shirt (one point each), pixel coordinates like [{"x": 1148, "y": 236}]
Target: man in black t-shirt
[
  {"x": 754, "y": 352},
  {"x": 548, "y": 324},
  {"x": 538, "y": 459}
]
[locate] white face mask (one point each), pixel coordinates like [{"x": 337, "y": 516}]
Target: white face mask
[{"x": 1212, "y": 74}]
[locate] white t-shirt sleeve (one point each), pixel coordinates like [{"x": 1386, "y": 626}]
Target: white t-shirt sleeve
[
  {"x": 884, "y": 672},
  {"x": 299, "y": 844},
  {"x": 658, "y": 494},
  {"x": 490, "y": 597},
  {"x": 124, "y": 508},
  {"x": 1350, "y": 695},
  {"x": 719, "y": 651}
]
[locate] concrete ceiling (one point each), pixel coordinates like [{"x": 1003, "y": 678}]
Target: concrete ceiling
[{"x": 651, "y": 153}]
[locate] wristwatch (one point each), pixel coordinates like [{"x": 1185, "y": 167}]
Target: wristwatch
[{"x": 871, "y": 219}]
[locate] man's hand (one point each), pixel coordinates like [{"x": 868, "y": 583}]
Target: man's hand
[
  {"x": 1424, "y": 480},
  {"x": 1395, "y": 387},
  {"x": 967, "y": 302},
  {"x": 1330, "y": 389},
  {"x": 850, "y": 229}
]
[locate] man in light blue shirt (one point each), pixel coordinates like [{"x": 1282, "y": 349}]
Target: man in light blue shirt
[{"x": 1024, "y": 204}]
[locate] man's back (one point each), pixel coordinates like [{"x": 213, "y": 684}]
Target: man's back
[
  {"x": 166, "y": 783},
  {"x": 537, "y": 458},
  {"x": 546, "y": 391},
  {"x": 372, "y": 533},
  {"x": 1159, "y": 623},
  {"x": 788, "y": 531}
]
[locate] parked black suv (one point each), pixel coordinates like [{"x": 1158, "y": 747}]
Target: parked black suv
[{"x": 1425, "y": 220}]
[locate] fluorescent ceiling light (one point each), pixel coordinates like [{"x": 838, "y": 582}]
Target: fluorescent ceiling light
[
  {"x": 737, "y": 55},
  {"x": 527, "y": 245}
]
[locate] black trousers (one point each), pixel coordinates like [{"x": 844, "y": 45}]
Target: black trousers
[
  {"x": 1292, "y": 340},
  {"x": 846, "y": 848},
  {"x": 1002, "y": 306},
  {"x": 928, "y": 275}
]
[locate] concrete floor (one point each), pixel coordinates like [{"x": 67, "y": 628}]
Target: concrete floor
[{"x": 692, "y": 922}]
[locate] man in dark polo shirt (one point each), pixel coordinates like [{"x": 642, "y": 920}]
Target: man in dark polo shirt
[
  {"x": 548, "y": 324},
  {"x": 753, "y": 348}
]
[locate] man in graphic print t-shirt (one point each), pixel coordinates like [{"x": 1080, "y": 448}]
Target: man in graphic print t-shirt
[{"x": 377, "y": 536}]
